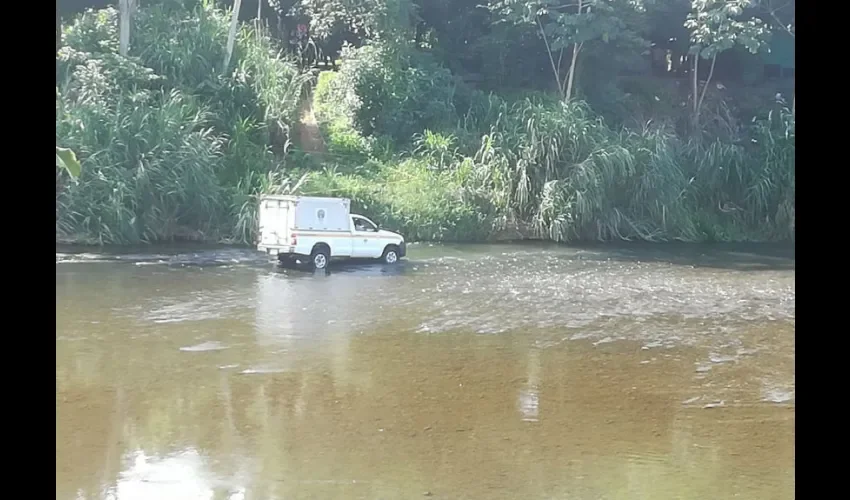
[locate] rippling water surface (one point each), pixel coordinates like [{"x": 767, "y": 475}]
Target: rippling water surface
[{"x": 464, "y": 372}]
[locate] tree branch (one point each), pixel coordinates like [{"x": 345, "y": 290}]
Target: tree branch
[
  {"x": 560, "y": 58},
  {"x": 786, "y": 29},
  {"x": 549, "y": 53},
  {"x": 772, "y": 12},
  {"x": 707, "y": 81},
  {"x": 231, "y": 37}
]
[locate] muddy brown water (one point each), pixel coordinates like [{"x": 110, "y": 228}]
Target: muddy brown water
[{"x": 469, "y": 372}]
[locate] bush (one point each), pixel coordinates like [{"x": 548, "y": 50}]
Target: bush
[
  {"x": 408, "y": 196},
  {"x": 386, "y": 91},
  {"x": 149, "y": 170},
  {"x": 170, "y": 148},
  {"x": 337, "y": 123},
  {"x": 560, "y": 172}
]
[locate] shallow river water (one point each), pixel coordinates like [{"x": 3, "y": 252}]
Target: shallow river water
[{"x": 468, "y": 372}]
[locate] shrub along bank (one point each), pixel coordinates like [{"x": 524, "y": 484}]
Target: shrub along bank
[
  {"x": 441, "y": 161},
  {"x": 172, "y": 147}
]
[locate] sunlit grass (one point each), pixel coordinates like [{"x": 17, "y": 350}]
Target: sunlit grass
[
  {"x": 171, "y": 148},
  {"x": 562, "y": 172},
  {"x": 174, "y": 148}
]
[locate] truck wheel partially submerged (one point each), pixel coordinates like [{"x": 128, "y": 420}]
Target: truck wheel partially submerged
[{"x": 316, "y": 230}]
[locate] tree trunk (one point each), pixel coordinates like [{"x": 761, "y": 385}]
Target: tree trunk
[
  {"x": 695, "y": 82},
  {"x": 258, "y": 22},
  {"x": 124, "y": 27},
  {"x": 704, "y": 90},
  {"x": 58, "y": 29},
  {"x": 231, "y": 37},
  {"x": 568, "y": 94},
  {"x": 700, "y": 97},
  {"x": 556, "y": 68}
]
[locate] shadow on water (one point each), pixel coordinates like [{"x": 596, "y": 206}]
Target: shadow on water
[
  {"x": 186, "y": 256},
  {"x": 727, "y": 256},
  {"x": 183, "y": 256},
  {"x": 359, "y": 267},
  {"x": 734, "y": 257}
]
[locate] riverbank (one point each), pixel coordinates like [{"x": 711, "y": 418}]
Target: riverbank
[{"x": 174, "y": 149}]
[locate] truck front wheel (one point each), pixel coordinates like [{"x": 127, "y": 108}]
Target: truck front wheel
[
  {"x": 390, "y": 255},
  {"x": 320, "y": 258}
]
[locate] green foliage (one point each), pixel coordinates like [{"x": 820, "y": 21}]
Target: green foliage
[
  {"x": 781, "y": 14},
  {"x": 185, "y": 50},
  {"x": 333, "y": 107},
  {"x": 364, "y": 19},
  {"x": 66, "y": 159},
  {"x": 170, "y": 148},
  {"x": 719, "y": 25},
  {"x": 572, "y": 25},
  {"x": 274, "y": 79},
  {"x": 558, "y": 171},
  {"x": 150, "y": 169},
  {"x": 94, "y": 31},
  {"x": 410, "y": 197},
  {"x": 389, "y": 91}
]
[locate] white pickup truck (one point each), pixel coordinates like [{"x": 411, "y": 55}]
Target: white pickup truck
[{"x": 314, "y": 230}]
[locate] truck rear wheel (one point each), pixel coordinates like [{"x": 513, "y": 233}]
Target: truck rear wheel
[
  {"x": 390, "y": 255},
  {"x": 320, "y": 258}
]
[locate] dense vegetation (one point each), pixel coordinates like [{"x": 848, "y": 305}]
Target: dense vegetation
[{"x": 174, "y": 145}]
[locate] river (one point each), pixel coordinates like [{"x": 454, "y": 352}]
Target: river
[{"x": 464, "y": 372}]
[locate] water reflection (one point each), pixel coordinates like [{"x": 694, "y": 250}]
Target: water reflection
[
  {"x": 529, "y": 399},
  {"x": 178, "y": 477},
  {"x": 306, "y": 387},
  {"x": 423, "y": 425}
]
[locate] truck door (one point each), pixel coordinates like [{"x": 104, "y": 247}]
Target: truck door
[
  {"x": 364, "y": 238},
  {"x": 273, "y": 223}
]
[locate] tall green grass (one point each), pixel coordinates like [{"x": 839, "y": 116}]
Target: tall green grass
[
  {"x": 557, "y": 171},
  {"x": 171, "y": 146},
  {"x": 174, "y": 148},
  {"x": 408, "y": 196}
]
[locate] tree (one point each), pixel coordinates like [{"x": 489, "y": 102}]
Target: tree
[
  {"x": 782, "y": 15},
  {"x": 567, "y": 25},
  {"x": 716, "y": 26},
  {"x": 368, "y": 19},
  {"x": 283, "y": 10},
  {"x": 58, "y": 29},
  {"x": 231, "y": 37},
  {"x": 334, "y": 23},
  {"x": 125, "y": 9},
  {"x": 462, "y": 34}
]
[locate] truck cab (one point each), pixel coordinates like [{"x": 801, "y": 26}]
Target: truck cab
[
  {"x": 370, "y": 241},
  {"x": 315, "y": 230}
]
